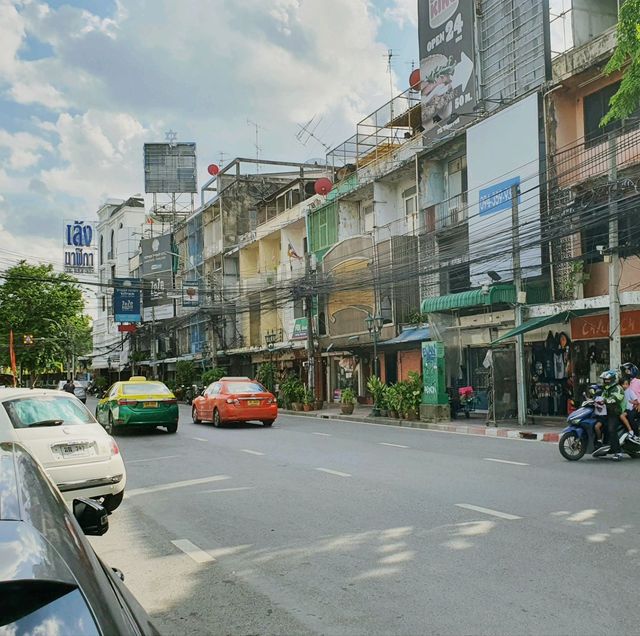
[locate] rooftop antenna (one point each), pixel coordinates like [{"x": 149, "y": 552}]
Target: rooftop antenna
[
  {"x": 390, "y": 55},
  {"x": 258, "y": 148},
  {"x": 171, "y": 137},
  {"x": 222, "y": 154},
  {"x": 306, "y": 132}
]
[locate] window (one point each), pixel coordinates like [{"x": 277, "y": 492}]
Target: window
[
  {"x": 368, "y": 218},
  {"x": 595, "y": 107},
  {"x": 298, "y": 308},
  {"x": 101, "y": 250},
  {"x": 245, "y": 387},
  {"x": 410, "y": 201},
  {"x": 45, "y": 410},
  {"x": 456, "y": 177},
  {"x": 112, "y": 245},
  {"x": 145, "y": 388}
]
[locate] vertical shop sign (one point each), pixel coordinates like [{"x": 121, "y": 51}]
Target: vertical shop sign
[{"x": 447, "y": 64}]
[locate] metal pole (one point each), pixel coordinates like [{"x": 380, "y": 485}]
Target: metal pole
[
  {"x": 615, "y": 342},
  {"x": 375, "y": 352},
  {"x": 517, "y": 281},
  {"x": 309, "y": 312}
]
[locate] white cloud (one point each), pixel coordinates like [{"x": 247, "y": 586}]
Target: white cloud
[
  {"x": 25, "y": 149},
  {"x": 403, "y": 12}
]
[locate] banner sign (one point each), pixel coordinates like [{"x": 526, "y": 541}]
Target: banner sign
[
  {"x": 79, "y": 250},
  {"x": 156, "y": 267},
  {"x": 299, "y": 329},
  {"x": 597, "y": 327},
  {"x": 447, "y": 64},
  {"x": 498, "y": 197},
  {"x": 126, "y": 300},
  {"x": 155, "y": 255},
  {"x": 190, "y": 294}
]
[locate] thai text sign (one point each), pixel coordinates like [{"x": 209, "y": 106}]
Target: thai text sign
[
  {"x": 78, "y": 247},
  {"x": 597, "y": 327},
  {"x": 497, "y": 197},
  {"x": 126, "y": 299}
]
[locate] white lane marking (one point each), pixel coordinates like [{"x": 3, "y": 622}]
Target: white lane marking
[
  {"x": 394, "y": 445},
  {"x": 150, "y": 459},
  {"x": 175, "y": 484},
  {"x": 323, "y": 434},
  {"x": 199, "y": 439},
  {"x": 504, "y": 461},
  {"x": 333, "y": 472},
  {"x": 203, "y": 492},
  {"x": 251, "y": 452},
  {"x": 192, "y": 550},
  {"x": 488, "y": 511}
]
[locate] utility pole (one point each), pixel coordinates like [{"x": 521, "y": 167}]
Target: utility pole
[
  {"x": 517, "y": 282},
  {"x": 311, "y": 371},
  {"x": 615, "y": 341}
]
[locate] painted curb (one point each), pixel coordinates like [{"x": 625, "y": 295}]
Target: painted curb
[{"x": 463, "y": 429}]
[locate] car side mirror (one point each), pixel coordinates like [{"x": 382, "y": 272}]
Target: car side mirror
[{"x": 92, "y": 517}]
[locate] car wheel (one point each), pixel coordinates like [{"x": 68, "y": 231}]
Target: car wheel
[
  {"x": 111, "y": 502},
  {"x": 194, "y": 416},
  {"x": 110, "y": 427},
  {"x": 172, "y": 428},
  {"x": 267, "y": 422},
  {"x": 216, "y": 418}
]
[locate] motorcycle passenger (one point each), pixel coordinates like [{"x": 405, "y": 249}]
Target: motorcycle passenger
[
  {"x": 628, "y": 416},
  {"x": 630, "y": 371}
]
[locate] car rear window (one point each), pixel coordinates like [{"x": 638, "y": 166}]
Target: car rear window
[
  {"x": 245, "y": 387},
  {"x": 145, "y": 388},
  {"x": 25, "y": 412}
]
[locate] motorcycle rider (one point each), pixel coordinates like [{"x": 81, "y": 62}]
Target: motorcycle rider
[{"x": 613, "y": 397}]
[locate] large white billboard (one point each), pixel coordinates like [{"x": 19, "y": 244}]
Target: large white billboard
[{"x": 504, "y": 150}]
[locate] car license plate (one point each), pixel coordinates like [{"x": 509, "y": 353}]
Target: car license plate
[
  {"x": 253, "y": 402},
  {"x": 150, "y": 405},
  {"x": 75, "y": 450}
]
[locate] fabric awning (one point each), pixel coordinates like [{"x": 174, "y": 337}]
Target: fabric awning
[
  {"x": 542, "y": 321},
  {"x": 504, "y": 294},
  {"x": 416, "y": 334}
]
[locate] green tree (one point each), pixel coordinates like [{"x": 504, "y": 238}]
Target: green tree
[
  {"x": 627, "y": 99},
  {"x": 37, "y": 302}
]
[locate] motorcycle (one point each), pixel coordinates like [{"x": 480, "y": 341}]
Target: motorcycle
[
  {"x": 461, "y": 403},
  {"x": 579, "y": 437}
]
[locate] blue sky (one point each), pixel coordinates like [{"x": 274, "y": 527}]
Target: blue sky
[{"x": 84, "y": 83}]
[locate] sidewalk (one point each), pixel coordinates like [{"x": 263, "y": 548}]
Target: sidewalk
[{"x": 472, "y": 426}]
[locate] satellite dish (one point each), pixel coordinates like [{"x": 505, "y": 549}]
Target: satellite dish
[
  {"x": 414, "y": 80},
  {"x": 213, "y": 169},
  {"x": 323, "y": 186}
]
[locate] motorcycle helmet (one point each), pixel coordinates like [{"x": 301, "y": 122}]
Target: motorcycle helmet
[
  {"x": 595, "y": 390},
  {"x": 609, "y": 377},
  {"x": 629, "y": 370}
]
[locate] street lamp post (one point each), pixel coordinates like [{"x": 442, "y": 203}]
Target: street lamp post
[
  {"x": 270, "y": 338},
  {"x": 374, "y": 326}
]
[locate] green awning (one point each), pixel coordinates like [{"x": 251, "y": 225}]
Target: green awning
[
  {"x": 496, "y": 294},
  {"x": 542, "y": 321}
]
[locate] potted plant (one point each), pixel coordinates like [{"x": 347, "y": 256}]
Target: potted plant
[
  {"x": 392, "y": 398},
  {"x": 307, "y": 402},
  {"x": 292, "y": 393},
  {"x": 347, "y": 399},
  {"x": 383, "y": 405},
  {"x": 376, "y": 387},
  {"x": 414, "y": 395},
  {"x": 298, "y": 396}
]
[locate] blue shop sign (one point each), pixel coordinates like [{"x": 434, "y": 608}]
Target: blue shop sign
[
  {"x": 126, "y": 300},
  {"x": 497, "y": 197}
]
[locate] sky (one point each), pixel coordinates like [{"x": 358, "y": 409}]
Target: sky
[{"x": 85, "y": 83}]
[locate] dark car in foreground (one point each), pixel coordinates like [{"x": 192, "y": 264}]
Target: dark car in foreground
[{"x": 51, "y": 580}]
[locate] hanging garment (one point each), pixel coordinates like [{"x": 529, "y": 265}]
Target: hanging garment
[{"x": 559, "y": 368}]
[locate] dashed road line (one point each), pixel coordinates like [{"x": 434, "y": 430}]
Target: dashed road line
[
  {"x": 394, "y": 445},
  {"x": 199, "y": 439},
  {"x": 193, "y": 551},
  {"x": 251, "y": 452},
  {"x": 176, "y": 484},
  {"x": 504, "y": 461},
  {"x": 236, "y": 489},
  {"x": 149, "y": 459},
  {"x": 488, "y": 511},
  {"x": 333, "y": 472},
  {"x": 323, "y": 434}
]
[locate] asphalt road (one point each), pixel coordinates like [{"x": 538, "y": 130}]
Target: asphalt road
[{"x": 330, "y": 527}]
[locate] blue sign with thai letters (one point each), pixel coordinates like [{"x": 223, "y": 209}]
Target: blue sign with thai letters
[
  {"x": 126, "y": 300},
  {"x": 497, "y": 197}
]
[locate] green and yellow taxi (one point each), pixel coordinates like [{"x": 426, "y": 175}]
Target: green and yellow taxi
[{"x": 138, "y": 402}]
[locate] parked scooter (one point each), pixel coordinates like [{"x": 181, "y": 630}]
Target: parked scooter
[
  {"x": 579, "y": 437},
  {"x": 461, "y": 403}
]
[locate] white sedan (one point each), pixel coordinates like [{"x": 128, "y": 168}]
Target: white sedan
[{"x": 79, "y": 456}]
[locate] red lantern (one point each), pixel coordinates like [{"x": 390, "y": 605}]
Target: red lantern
[
  {"x": 323, "y": 186},
  {"x": 213, "y": 169},
  {"x": 414, "y": 79}
]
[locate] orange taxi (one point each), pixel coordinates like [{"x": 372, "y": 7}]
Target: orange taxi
[{"x": 235, "y": 399}]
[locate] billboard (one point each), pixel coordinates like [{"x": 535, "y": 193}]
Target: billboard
[
  {"x": 170, "y": 168},
  {"x": 156, "y": 270},
  {"x": 79, "y": 249},
  {"x": 126, "y": 299},
  {"x": 504, "y": 150},
  {"x": 447, "y": 64},
  {"x": 190, "y": 293}
]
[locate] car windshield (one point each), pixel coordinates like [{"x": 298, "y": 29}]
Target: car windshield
[
  {"x": 145, "y": 388},
  {"x": 46, "y": 410},
  {"x": 245, "y": 387}
]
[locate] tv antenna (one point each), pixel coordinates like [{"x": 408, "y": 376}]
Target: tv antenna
[
  {"x": 258, "y": 128},
  {"x": 221, "y": 160},
  {"x": 389, "y": 56},
  {"x": 307, "y": 132}
]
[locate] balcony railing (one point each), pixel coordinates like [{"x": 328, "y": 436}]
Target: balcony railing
[{"x": 451, "y": 212}]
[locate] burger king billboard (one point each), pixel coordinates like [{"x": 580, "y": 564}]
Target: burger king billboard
[{"x": 447, "y": 64}]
